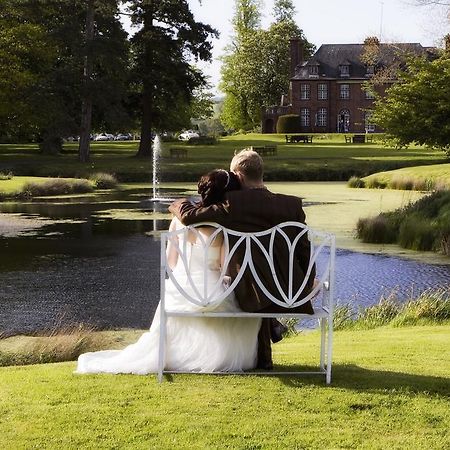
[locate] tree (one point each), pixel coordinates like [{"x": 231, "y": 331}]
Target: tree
[
  {"x": 417, "y": 107},
  {"x": 46, "y": 105},
  {"x": 256, "y": 69},
  {"x": 283, "y": 11},
  {"x": 105, "y": 48},
  {"x": 163, "y": 76}
]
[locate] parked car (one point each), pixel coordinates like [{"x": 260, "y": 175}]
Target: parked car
[
  {"x": 103, "y": 137},
  {"x": 186, "y": 135},
  {"x": 123, "y": 137}
]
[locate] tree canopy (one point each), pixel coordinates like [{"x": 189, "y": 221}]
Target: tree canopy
[
  {"x": 417, "y": 107},
  {"x": 256, "y": 68}
]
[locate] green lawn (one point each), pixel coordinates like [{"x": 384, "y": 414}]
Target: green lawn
[
  {"x": 327, "y": 158},
  {"x": 390, "y": 390}
]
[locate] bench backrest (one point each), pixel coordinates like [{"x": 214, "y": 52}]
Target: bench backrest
[{"x": 203, "y": 293}]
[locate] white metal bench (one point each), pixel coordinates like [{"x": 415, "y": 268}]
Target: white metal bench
[{"x": 322, "y": 255}]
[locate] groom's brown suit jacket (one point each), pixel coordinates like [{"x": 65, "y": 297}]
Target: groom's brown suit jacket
[{"x": 251, "y": 210}]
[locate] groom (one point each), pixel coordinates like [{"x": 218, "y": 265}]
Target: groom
[{"x": 251, "y": 209}]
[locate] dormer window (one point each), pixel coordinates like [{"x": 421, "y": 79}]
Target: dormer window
[
  {"x": 370, "y": 70},
  {"x": 344, "y": 70},
  {"x": 314, "y": 70}
]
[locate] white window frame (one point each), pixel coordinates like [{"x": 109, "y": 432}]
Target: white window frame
[
  {"x": 305, "y": 91},
  {"x": 344, "y": 70},
  {"x": 344, "y": 91},
  {"x": 369, "y": 95},
  {"x": 305, "y": 117},
  {"x": 369, "y": 127},
  {"x": 322, "y": 117},
  {"x": 322, "y": 91}
]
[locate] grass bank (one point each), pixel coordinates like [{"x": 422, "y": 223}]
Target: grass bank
[
  {"x": 390, "y": 390},
  {"x": 24, "y": 187},
  {"x": 421, "y": 178},
  {"x": 327, "y": 158},
  {"x": 423, "y": 225}
]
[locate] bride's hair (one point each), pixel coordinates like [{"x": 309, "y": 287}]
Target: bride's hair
[{"x": 214, "y": 184}]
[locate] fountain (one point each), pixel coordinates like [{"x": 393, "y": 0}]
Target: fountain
[{"x": 157, "y": 198}]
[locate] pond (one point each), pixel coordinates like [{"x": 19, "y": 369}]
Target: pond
[{"x": 95, "y": 260}]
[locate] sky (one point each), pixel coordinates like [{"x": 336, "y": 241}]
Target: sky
[{"x": 333, "y": 22}]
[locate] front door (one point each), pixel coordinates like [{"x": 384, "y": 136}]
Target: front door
[{"x": 343, "y": 121}]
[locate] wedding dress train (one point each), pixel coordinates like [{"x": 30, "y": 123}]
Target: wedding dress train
[{"x": 193, "y": 344}]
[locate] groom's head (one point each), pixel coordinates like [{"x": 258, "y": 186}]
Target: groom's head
[{"x": 248, "y": 166}]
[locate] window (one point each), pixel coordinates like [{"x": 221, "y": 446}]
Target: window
[
  {"x": 305, "y": 92},
  {"x": 322, "y": 91},
  {"x": 344, "y": 70},
  {"x": 344, "y": 91},
  {"x": 305, "y": 117},
  {"x": 369, "y": 126},
  {"x": 369, "y": 94},
  {"x": 322, "y": 117},
  {"x": 370, "y": 70},
  {"x": 314, "y": 70}
]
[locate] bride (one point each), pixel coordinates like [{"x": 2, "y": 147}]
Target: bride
[{"x": 193, "y": 344}]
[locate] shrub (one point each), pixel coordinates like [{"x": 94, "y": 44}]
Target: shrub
[
  {"x": 6, "y": 176},
  {"x": 103, "y": 180},
  {"x": 289, "y": 123},
  {"x": 57, "y": 186},
  {"x": 418, "y": 233},
  {"x": 378, "y": 230},
  {"x": 356, "y": 182},
  {"x": 202, "y": 140},
  {"x": 375, "y": 183}
]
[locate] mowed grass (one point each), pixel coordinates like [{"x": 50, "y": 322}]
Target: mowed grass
[
  {"x": 327, "y": 158},
  {"x": 390, "y": 390}
]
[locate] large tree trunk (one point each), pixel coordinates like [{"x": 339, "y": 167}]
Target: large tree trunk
[
  {"x": 145, "y": 145},
  {"x": 86, "y": 107}
]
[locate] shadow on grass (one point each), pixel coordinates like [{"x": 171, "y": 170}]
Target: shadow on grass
[{"x": 361, "y": 379}]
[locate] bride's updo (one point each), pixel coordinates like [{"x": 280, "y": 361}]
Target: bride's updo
[{"x": 214, "y": 184}]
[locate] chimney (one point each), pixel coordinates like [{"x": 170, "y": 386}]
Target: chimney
[{"x": 296, "y": 54}]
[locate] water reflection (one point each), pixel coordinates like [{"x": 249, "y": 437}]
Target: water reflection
[{"x": 102, "y": 267}]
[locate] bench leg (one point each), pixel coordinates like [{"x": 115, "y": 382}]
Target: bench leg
[
  {"x": 330, "y": 349},
  {"x": 162, "y": 344},
  {"x": 322, "y": 342}
]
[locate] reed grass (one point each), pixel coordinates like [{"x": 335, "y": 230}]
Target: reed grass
[
  {"x": 54, "y": 345},
  {"x": 57, "y": 186},
  {"x": 430, "y": 307},
  {"x": 423, "y": 225},
  {"x": 102, "y": 180},
  {"x": 356, "y": 182}
]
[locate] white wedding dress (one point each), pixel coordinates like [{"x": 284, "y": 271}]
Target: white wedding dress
[{"x": 193, "y": 344}]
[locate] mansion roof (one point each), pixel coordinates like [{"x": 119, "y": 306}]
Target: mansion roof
[{"x": 329, "y": 59}]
